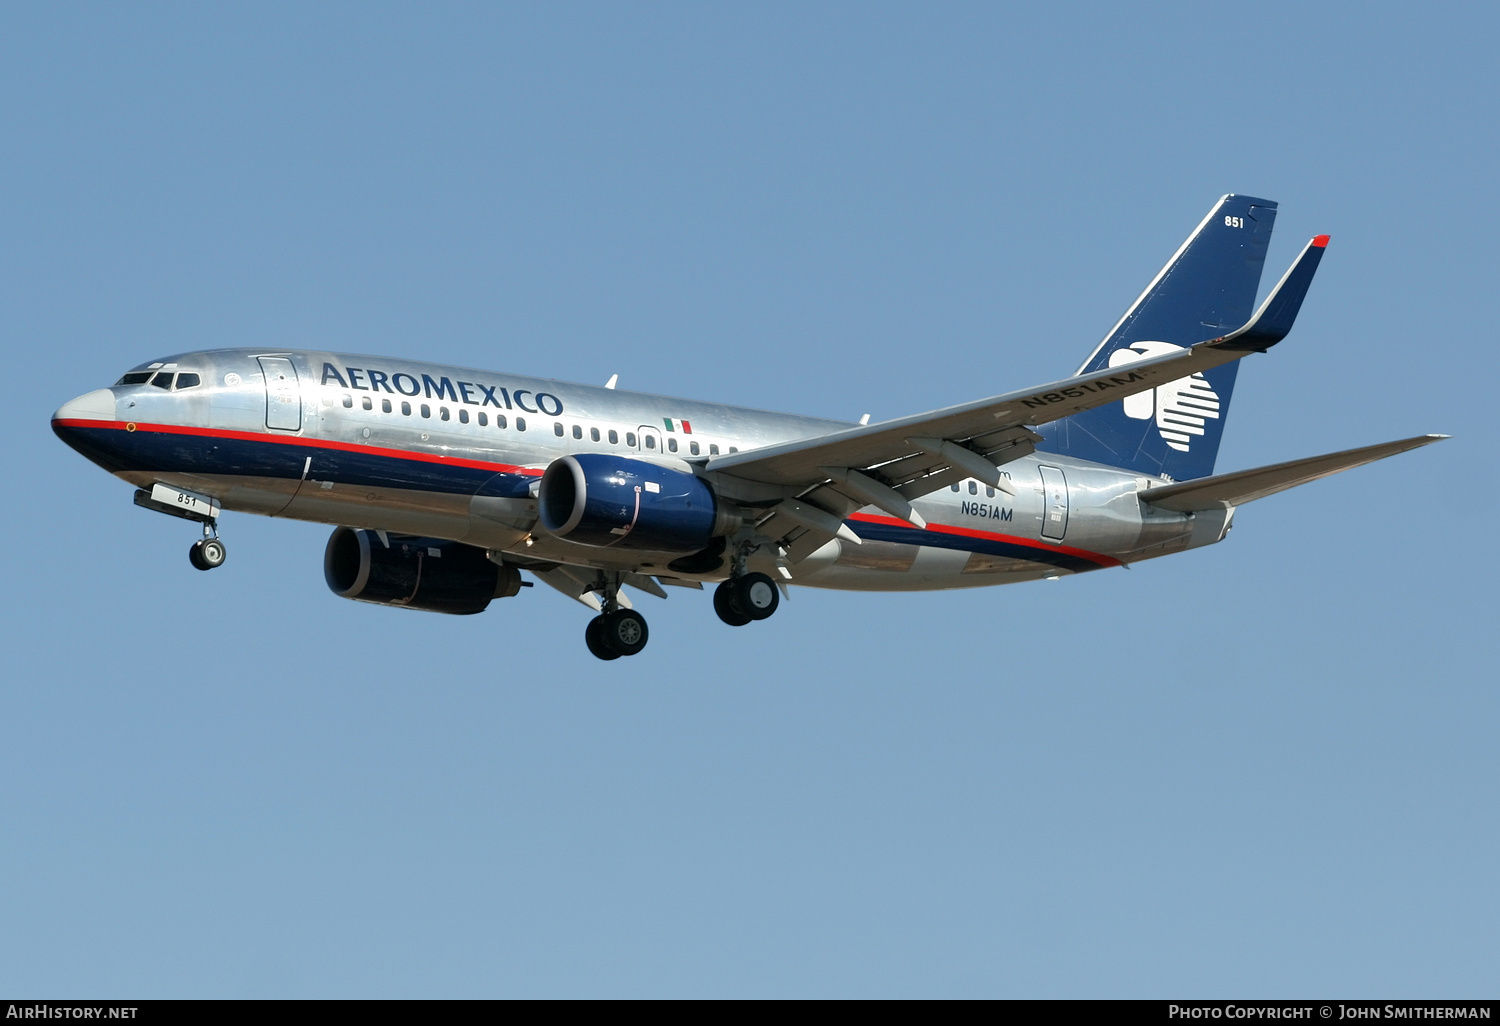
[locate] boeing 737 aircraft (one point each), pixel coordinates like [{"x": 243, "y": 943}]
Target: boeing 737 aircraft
[{"x": 445, "y": 484}]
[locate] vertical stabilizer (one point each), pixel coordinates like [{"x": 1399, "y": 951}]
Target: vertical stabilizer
[{"x": 1205, "y": 291}]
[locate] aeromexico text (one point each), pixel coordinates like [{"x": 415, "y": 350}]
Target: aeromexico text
[{"x": 472, "y": 393}]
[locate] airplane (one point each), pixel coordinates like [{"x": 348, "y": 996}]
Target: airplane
[{"x": 445, "y": 484}]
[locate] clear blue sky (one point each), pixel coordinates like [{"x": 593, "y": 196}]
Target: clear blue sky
[{"x": 1264, "y": 768}]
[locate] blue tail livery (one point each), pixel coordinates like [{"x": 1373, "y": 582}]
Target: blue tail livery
[{"x": 1205, "y": 291}]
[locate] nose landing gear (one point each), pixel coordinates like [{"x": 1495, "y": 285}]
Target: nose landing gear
[{"x": 207, "y": 552}]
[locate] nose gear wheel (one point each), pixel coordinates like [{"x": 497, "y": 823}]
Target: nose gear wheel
[{"x": 207, "y": 553}]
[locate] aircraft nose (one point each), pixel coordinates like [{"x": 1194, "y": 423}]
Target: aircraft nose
[
  {"x": 96, "y": 405},
  {"x": 87, "y": 425}
]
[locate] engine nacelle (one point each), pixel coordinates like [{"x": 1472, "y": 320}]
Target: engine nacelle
[
  {"x": 417, "y": 573},
  {"x": 603, "y": 500}
]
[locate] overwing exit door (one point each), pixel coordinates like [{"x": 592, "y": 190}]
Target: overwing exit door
[
  {"x": 1054, "y": 504},
  {"x": 283, "y": 394},
  {"x": 650, "y": 440}
]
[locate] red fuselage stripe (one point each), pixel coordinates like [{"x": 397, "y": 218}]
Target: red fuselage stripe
[{"x": 1009, "y": 539}]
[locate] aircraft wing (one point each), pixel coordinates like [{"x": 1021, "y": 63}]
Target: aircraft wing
[
  {"x": 1224, "y": 490},
  {"x": 888, "y": 464}
]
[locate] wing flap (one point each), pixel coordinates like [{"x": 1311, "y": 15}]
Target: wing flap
[{"x": 1225, "y": 490}]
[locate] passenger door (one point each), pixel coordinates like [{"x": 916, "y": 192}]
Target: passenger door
[{"x": 283, "y": 394}]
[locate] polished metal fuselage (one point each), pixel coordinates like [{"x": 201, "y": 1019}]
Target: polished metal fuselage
[{"x": 417, "y": 448}]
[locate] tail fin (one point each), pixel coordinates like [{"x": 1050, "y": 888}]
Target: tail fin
[{"x": 1207, "y": 289}]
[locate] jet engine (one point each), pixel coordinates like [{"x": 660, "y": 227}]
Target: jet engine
[
  {"x": 417, "y": 573},
  {"x": 603, "y": 500}
]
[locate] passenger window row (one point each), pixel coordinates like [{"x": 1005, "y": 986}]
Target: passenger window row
[
  {"x": 483, "y": 419},
  {"x": 974, "y": 489}
]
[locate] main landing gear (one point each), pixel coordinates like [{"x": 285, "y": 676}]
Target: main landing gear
[
  {"x": 617, "y": 631},
  {"x": 746, "y": 597},
  {"x": 620, "y": 633}
]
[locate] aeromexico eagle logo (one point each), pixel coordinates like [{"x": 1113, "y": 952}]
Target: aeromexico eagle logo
[{"x": 1180, "y": 407}]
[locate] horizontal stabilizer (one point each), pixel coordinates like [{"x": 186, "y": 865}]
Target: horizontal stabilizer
[{"x": 1236, "y": 489}]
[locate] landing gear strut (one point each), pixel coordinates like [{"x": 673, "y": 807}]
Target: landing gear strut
[{"x": 617, "y": 631}]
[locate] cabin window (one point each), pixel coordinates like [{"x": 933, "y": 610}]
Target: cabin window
[
  {"x": 630, "y": 439},
  {"x": 593, "y": 434},
  {"x": 734, "y": 448},
  {"x": 614, "y": 437},
  {"x": 426, "y": 410},
  {"x": 385, "y": 406},
  {"x": 463, "y": 416},
  {"x": 989, "y": 492},
  {"x": 557, "y": 429},
  {"x": 500, "y": 421},
  {"x": 187, "y": 381},
  {"x": 973, "y": 487},
  {"x": 577, "y": 431},
  {"x": 520, "y": 423},
  {"x": 134, "y": 378},
  {"x": 162, "y": 380},
  {"x": 672, "y": 444},
  {"x": 406, "y": 409},
  {"x": 443, "y": 412},
  {"x": 484, "y": 419},
  {"x": 713, "y": 448},
  {"x": 366, "y": 402},
  {"x": 348, "y": 402},
  {"x": 953, "y": 487},
  {"x": 651, "y": 441},
  {"x": 693, "y": 448}
]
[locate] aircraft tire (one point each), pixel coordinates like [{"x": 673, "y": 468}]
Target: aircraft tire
[
  {"x": 593, "y": 637},
  {"x": 725, "y": 606},
  {"x": 624, "y": 631},
  {"x": 757, "y": 595},
  {"x": 206, "y": 554},
  {"x": 212, "y": 553}
]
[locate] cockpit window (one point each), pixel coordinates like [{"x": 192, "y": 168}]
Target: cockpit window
[
  {"x": 187, "y": 381},
  {"x": 134, "y": 378},
  {"x": 162, "y": 380}
]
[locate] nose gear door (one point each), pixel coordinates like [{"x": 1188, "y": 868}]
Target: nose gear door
[{"x": 283, "y": 394}]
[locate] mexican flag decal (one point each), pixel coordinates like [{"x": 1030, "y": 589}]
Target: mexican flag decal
[{"x": 677, "y": 425}]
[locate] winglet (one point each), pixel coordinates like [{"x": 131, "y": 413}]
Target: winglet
[{"x": 1274, "y": 319}]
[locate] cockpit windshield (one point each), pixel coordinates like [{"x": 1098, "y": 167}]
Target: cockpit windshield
[{"x": 161, "y": 379}]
